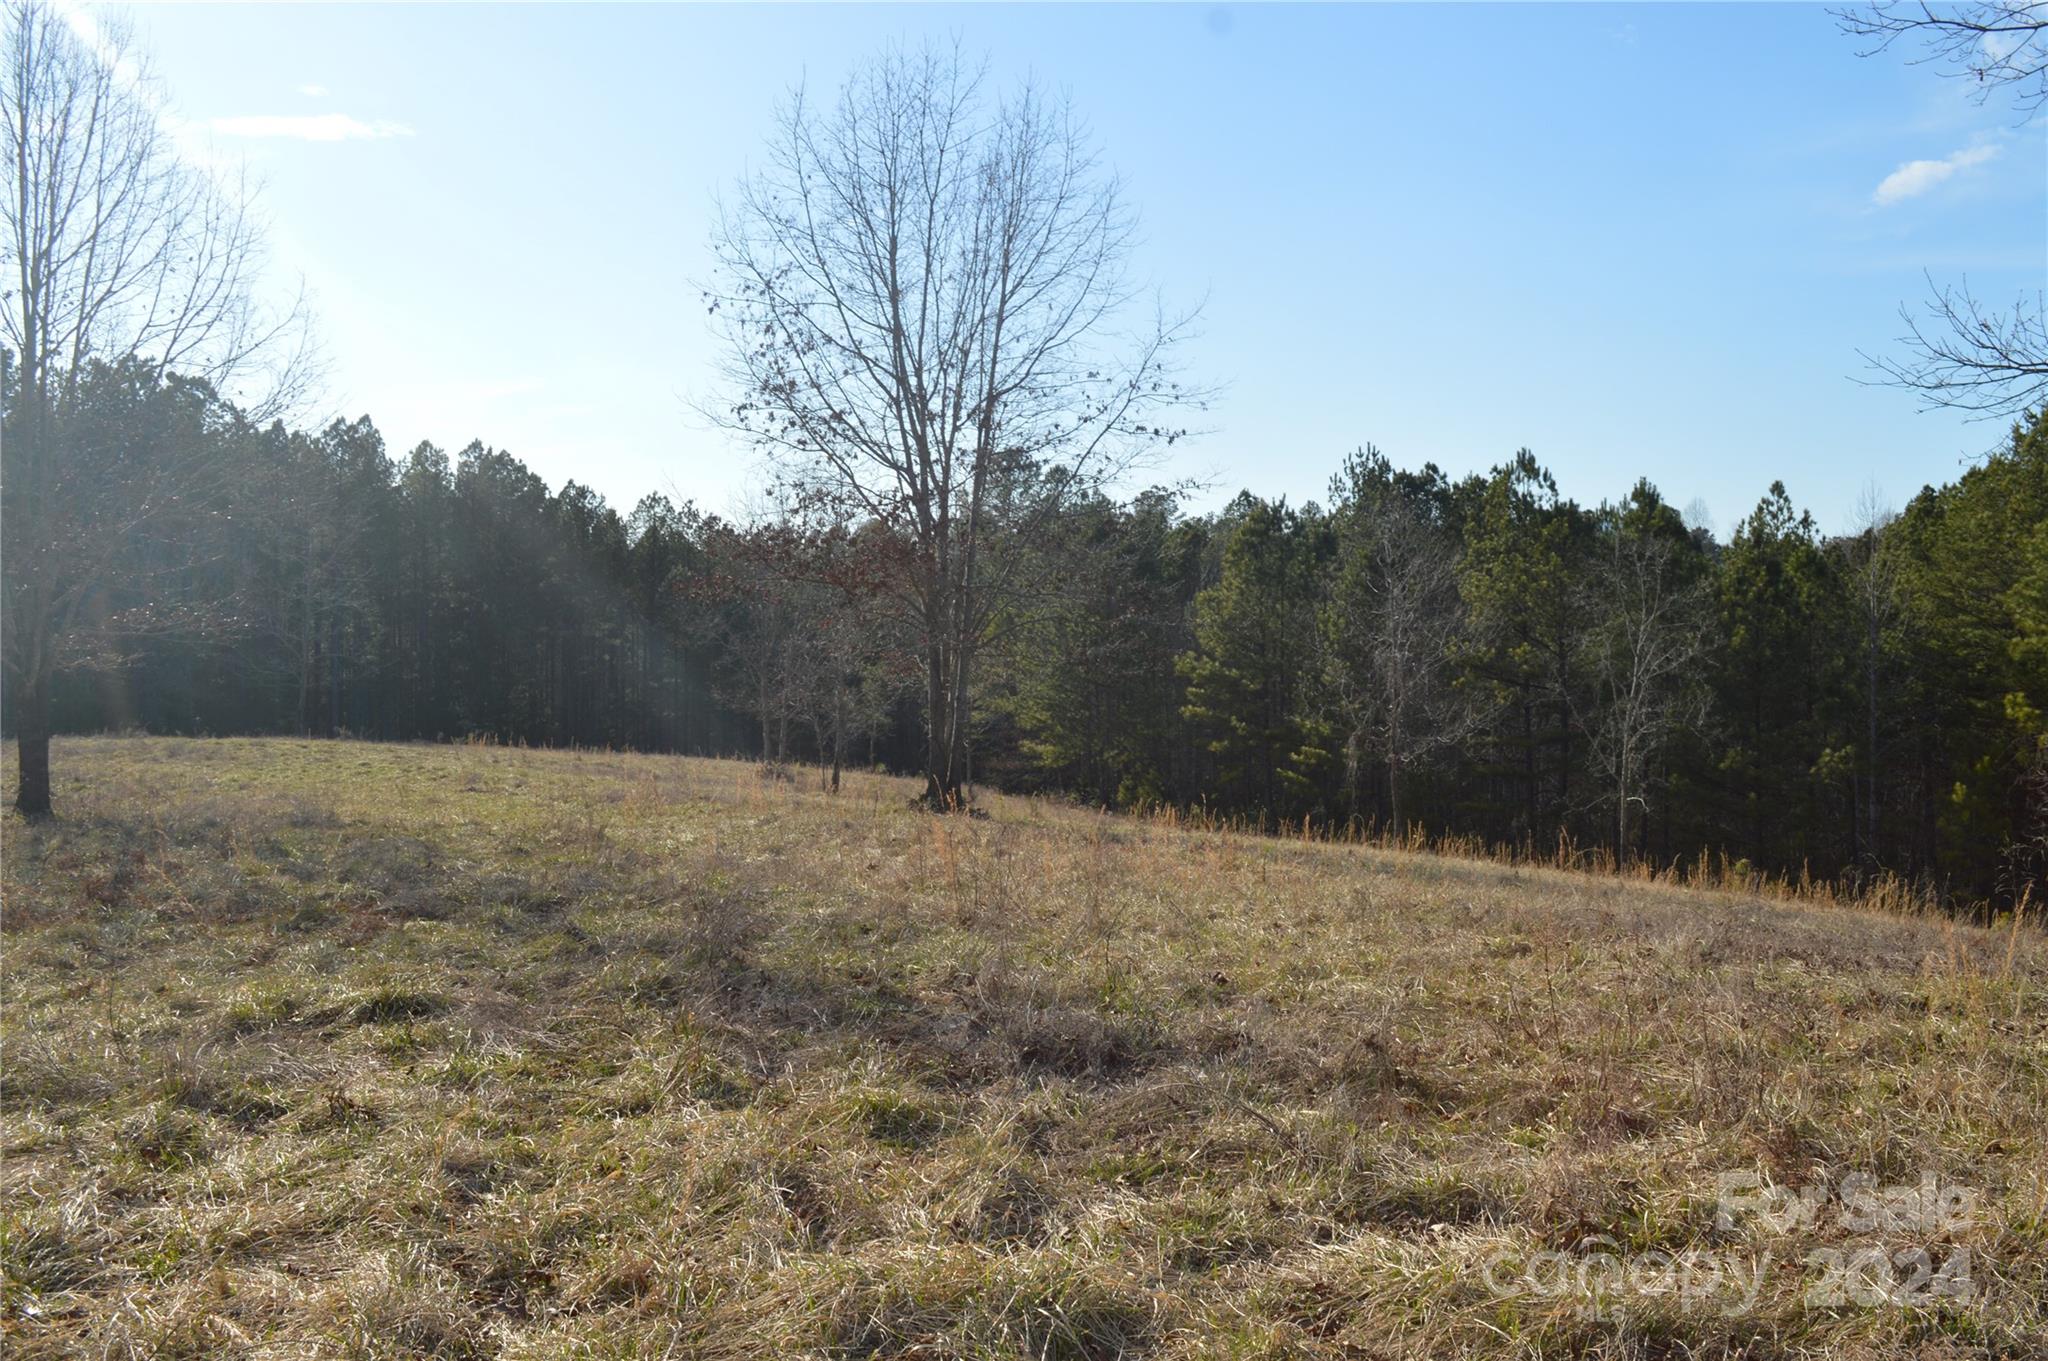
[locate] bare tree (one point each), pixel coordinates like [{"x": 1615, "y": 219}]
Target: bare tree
[
  {"x": 1968, "y": 357},
  {"x": 1644, "y": 655},
  {"x": 2000, "y": 44},
  {"x": 1960, "y": 353},
  {"x": 117, "y": 251},
  {"x": 922, "y": 295},
  {"x": 831, "y": 665},
  {"x": 1390, "y": 629}
]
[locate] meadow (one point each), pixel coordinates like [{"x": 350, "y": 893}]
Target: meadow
[{"x": 335, "y": 1049}]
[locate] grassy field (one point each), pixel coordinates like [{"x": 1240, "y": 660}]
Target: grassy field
[{"x": 335, "y": 1049}]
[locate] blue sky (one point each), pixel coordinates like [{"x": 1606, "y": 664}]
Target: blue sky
[{"x": 1640, "y": 240}]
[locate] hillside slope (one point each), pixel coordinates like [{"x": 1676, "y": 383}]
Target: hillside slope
[{"x": 384, "y": 1051}]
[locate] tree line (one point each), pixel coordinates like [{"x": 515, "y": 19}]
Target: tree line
[
  {"x": 1479, "y": 655},
  {"x": 933, "y": 338}
]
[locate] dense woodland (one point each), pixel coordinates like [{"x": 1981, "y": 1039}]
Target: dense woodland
[
  {"x": 1479, "y": 655},
  {"x": 925, "y": 298}
]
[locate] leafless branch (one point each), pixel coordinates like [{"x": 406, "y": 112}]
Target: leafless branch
[
  {"x": 1966, "y": 357},
  {"x": 2001, "y": 45},
  {"x": 922, "y": 298},
  {"x": 123, "y": 263}
]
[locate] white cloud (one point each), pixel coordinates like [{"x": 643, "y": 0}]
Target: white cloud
[
  {"x": 1996, "y": 47},
  {"x": 313, "y": 91},
  {"x": 1917, "y": 177},
  {"x": 311, "y": 127}
]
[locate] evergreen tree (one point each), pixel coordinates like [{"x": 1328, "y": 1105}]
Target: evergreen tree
[
  {"x": 1096, "y": 694},
  {"x": 1973, "y": 579},
  {"x": 1250, "y": 674},
  {"x": 1784, "y": 619},
  {"x": 1870, "y": 703},
  {"x": 1523, "y": 583}
]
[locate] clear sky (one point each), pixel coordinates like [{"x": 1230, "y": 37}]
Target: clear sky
[{"x": 1640, "y": 240}]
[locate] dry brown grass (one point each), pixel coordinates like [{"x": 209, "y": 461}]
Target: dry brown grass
[{"x": 327, "y": 1049}]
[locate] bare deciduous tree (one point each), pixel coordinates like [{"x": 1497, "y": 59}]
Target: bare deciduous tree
[
  {"x": 1999, "y": 44},
  {"x": 117, "y": 250},
  {"x": 923, "y": 294},
  {"x": 1651, "y": 636},
  {"x": 1968, "y": 357},
  {"x": 1962, "y": 354},
  {"x": 832, "y": 662},
  {"x": 1390, "y": 631}
]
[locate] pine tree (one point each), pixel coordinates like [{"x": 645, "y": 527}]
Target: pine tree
[
  {"x": 1785, "y": 621},
  {"x": 1974, "y": 583},
  {"x": 1250, "y": 673}
]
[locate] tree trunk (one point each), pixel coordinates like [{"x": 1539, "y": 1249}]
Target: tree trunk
[
  {"x": 941, "y": 779},
  {"x": 838, "y": 733},
  {"x": 32, "y": 723},
  {"x": 334, "y": 675},
  {"x": 1354, "y": 773},
  {"x": 1394, "y": 756},
  {"x": 960, "y": 749},
  {"x": 1620, "y": 824},
  {"x": 1870, "y": 807},
  {"x": 1395, "y": 815},
  {"x": 1756, "y": 747},
  {"x": 306, "y": 674}
]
